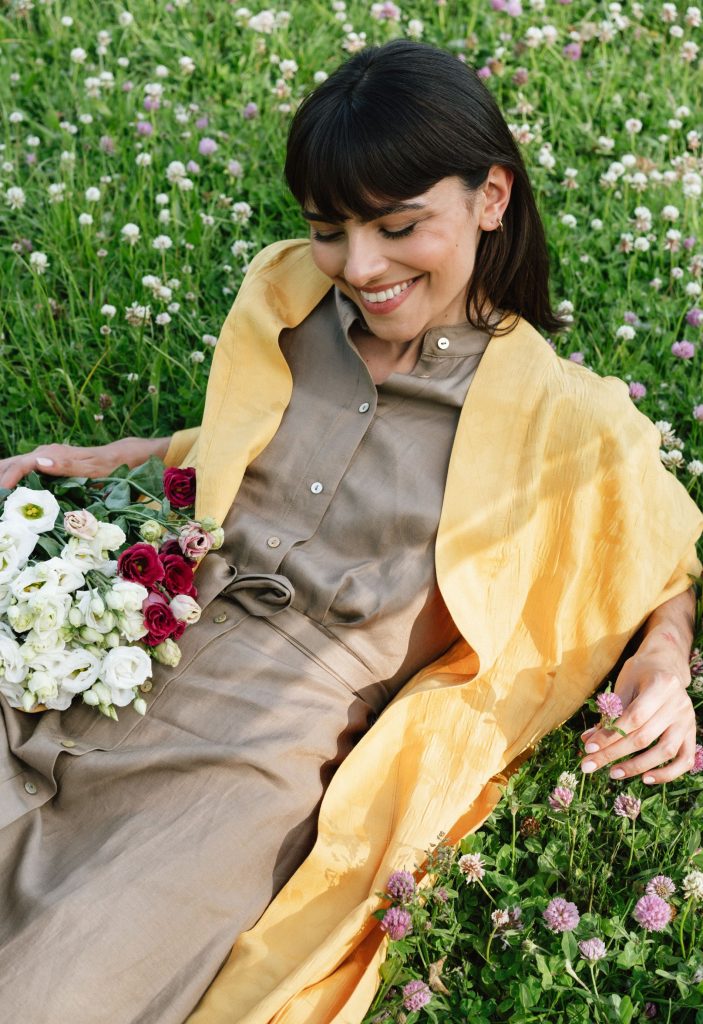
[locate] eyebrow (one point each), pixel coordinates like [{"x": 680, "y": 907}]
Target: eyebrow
[{"x": 382, "y": 211}]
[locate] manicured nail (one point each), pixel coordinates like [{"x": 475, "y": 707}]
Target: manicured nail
[
  {"x": 617, "y": 773},
  {"x": 44, "y": 462},
  {"x": 591, "y": 748},
  {"x": 649, "y": 779},
  {"x": 588, "y": 766}
]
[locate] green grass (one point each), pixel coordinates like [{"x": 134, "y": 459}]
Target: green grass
[{"x": 71, "y": 374}]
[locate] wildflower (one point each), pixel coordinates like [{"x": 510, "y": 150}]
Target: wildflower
[
  {"x": 197, "y": 356},
  {"x": 637, "y": 390},
  {"x": 107, "y": 145},
  {"x": 572, "y": 51},
  {"x": 175, "y": 171},
  {"x": 650, "y": 1010},
  {"x": 15, "y": 197},
  {"x": 695, "y": 468},
  {"x": 694, "y": 317},
  {"x": 78, "y": 55},
  {"x": 401, "y": 886},
  {"x": 693, "y": 885},
  {"x": 241, "y": 213},
  {"x": 529, "y": 827},
  {"x": 568, "y": 779},
  {"x": 38, "y": 261},
  {"x": 560, "y": 915},
  {"x": 108, "y": 311},
  {"x": 207, "y": 146},
  {"x": 137, "y": 315},
  {"x": 130, "y": 233},
  {"x": 209, "y": 339},
  {"x": 92, "y": 195},
  {"x": 672, "y": 460},
  {"x": 627, "y": 806},
  {"x": 163, "y": 319},
  {"x": 683, "y": 349},
  {"x": 507, "y": 919},
  {"x": 661, "y": 886},
  {"x": 560, "y": 798},
  {"x": 397, "y": 923},
  {"x": 387, "y": 11},
  {"x": 626, "y": 332},
  {"x": 415, "y": 29},
  {"x": 609, "y": 705},
  {"x": 416, "y": 994},
  {"x": 471, "y": 865},
  {"x": 697, "y": 760},
  {"x": 652, "y": 912},
  {"x": 161, "y": 242},
  {"x": 592, "y": 949},
  {"x": 250, "y": 111}
]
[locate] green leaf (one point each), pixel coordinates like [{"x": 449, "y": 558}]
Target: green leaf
[
  {"x": 569, "y": 946},
  {"x": 49, "y": 545},
  {"x": 547, "y": 980},
  {"x": 119, "y": 495},
  {"x": 626, "y": 1010},
  {"x": 629, "y": 955}
]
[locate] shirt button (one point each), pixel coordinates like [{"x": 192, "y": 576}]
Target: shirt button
[
  {"x": 220, "y": 618},
  {"x": 31, "y": 788},
  {"x": 273, "y": 542},
  {"x": 316, "y": 487},
  {"x": 443, "y": 343},
  {"x": 146, "y": 687},
  {"x": 68, "y": 744},
  {"x": 364, "y": 407}
]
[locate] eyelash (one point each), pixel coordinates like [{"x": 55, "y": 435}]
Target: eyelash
[{"x": 403, "y": 233}]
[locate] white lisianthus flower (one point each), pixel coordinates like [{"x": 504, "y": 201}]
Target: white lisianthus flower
[
  {"x": 44, "y": 687},
  {"x": 110, "y": 537},
  {"x": 50, "y": 609},
  {"x": 122, "y": 669},
  {"x": 54, "y": 574},
  {"x": 16, "y": 545},
  {"x": 20, "y": 616},
  {"x": 13, "y": 670},
  {"x": 131, "y": 626},
  {"x": 185, "y": 608},
  {"x": 79, "y": 670},
  {"x": 5, "y": 602},
  {"x": 36, "y": 509},
  {"x": 125, "y": 595},
  {"x": 84, "y": 553},
  {"x": 80, "y": 523},
  {"x": 93, "y": 612},
  {"x": 167, "y": 653}
]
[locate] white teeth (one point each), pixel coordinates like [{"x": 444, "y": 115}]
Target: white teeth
[{"x": 389, "y": 293}]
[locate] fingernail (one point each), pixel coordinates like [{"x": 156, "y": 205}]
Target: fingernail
[
  {"x": 587, "y": 732},
  {"x": 44, "y": 462},
  {"x": 649, "y": 779},
  {"x": 588, "y": 766},
  {"x": 591, "y": 748},
  {"x": 617, "y": 773}
]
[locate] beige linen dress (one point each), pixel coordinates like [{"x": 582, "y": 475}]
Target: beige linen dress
[{"x": 132, "y": 854}]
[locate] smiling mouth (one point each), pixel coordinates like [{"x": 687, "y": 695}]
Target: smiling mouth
[{"x": 386, "y": 294}]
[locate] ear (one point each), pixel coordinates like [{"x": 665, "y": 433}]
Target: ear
[{"x": 496, "y": 191}]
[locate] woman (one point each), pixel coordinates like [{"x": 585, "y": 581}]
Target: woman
[{"x": 470, "y": 567}]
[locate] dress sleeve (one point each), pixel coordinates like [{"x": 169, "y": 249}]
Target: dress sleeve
[{"x": 180, "y": 446}]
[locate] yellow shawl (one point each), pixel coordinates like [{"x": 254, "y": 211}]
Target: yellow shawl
[{"x": 560, "y": 532}]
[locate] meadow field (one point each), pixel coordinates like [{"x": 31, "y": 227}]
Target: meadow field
[{"x": 141, "y": 151}]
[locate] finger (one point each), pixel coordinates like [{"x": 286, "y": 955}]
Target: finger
[
  {"x": 639, "y": 739},
  {"x": 665, "y": 696},
  {"x": 674, "y": 743},
  {"x": 15, "y": 468},
  {"x": 679, "y": 766}
]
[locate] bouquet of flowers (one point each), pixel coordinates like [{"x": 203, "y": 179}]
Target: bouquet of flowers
[{"x": 96, "y": 581}]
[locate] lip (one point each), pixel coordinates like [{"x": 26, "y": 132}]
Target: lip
[{"x": 390, "y": 305}]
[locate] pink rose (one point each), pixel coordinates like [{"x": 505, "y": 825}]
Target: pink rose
[
  {"x": 80, "y": 523},
  {"x": 194, "y": 541}
]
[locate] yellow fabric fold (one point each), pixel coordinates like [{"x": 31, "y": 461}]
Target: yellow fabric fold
[{"x": 560, "y": 532}]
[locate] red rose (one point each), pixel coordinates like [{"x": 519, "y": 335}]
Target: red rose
[
  {"x": 171, "y": 546},
  {"x": 158, "y": 619},
  {"x": 179, "y": 486},
  {"x": 141, "y": 564},
  {"x": 178, "y": 574}
]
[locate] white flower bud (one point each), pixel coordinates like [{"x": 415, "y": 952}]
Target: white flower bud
[
  {"x": 139, "y": 705},
  {"x": 90, "y": 697}
]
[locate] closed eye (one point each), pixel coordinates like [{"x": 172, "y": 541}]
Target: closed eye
[{"x": 332, "y": 236}]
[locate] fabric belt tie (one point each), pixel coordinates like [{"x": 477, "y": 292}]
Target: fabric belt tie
[{"x": 260, "y": 593}]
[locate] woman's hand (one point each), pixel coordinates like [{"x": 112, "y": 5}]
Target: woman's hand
[
  {"x": 71, "y": 460},
  {"x": 659, "y": 718}
]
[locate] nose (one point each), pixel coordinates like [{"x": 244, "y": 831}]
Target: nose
[{"x": 365, "y": 261}]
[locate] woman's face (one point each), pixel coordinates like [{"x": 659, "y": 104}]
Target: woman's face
[{"x": 408, "y": 269}]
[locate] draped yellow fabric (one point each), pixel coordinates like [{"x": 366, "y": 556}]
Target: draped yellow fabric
[{"x": 560, "y": 532}]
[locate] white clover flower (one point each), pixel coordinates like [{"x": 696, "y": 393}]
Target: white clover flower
[
  {"x": 671, "y": 459},
  {"x": 416, "y": 28},
  {"x": 33, "y": 141},
  {"x": 67, "y": 157},
  {"x": 86, "y": 118},
  {"x": 161, "y": 199},
  {"x": 108, "y": 311},
  {"x": 319, "y": 77},
  {"x": 209, "y": 339},
  {"x": 143, "y": 159},
  {"x": 92, "y": 87},
  {"x": 692, "y": 17},
  {"x": 163, "y": 319},
  {"x": 693, "y": 289},
  {"x": 187, "y": 65},
  {"x": 695, "y": 467},
  {"x": 197, "y": 357},
  {"x": 56, "y": 191},
  {"x": 15, "y": 197},
  {"x": 67, "y": 21},
  {"x": 125, "y": 19},
  {"x": 676, "y": 31},
  {"x": 693, "y": 885},
  {"x": 175, "y": 171},
  {"x": 689, "y": 51},
  {"x": 568, "y": 220},
  {"x": 85, "y": 219},
  {"x": 288, "y": 68},
  {"x": 154, "y": 89},
  {"x": 605, "y": 143},
  {"x": 264, "y": 22},
  {"x": 641, "y": 244},
  {"x": 241, "y": 213},
  {"x": 161, "y": 71},
  {"x": 130, "y": 233},
  {"x": 568, "y": 779},
  {"x": 626, "y": 332},
  {"x": 161, "y": 242},
  {"x": 38, "y": 261},
  {"x": 670, "y": 213},
  {"x": 92, "y": 195},
  {"x": 669, "y": 13},
  {"x": 692, "y": 184},
  {"x": 164, "y": 217},
  {"x": 633, "y": 125},
  {"x": 546, "y": 158},
  {"x": 137, "y": 315}
]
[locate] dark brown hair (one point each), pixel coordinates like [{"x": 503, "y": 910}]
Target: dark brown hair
[{"x": 388, "y": 125}]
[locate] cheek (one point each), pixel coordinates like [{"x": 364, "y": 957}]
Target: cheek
[{"x": 327, "y": 258}]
